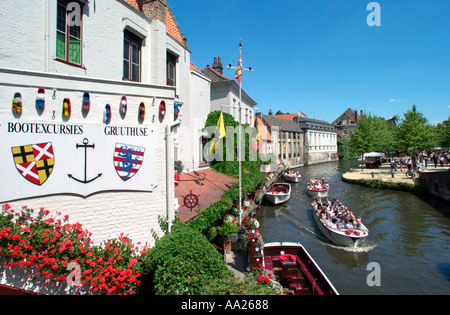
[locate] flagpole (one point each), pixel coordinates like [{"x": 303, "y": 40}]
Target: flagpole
[
  {"x": 240, "y": 144},
  {"x": 239, "y": 133}
]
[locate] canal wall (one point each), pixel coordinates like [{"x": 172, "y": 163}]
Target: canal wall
[
  {"x": 312, "y": 158},
  {"x": 432, "y": 182},
  {"x": 436, "y": 183}
]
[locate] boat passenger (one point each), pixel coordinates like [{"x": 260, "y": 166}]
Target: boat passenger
[
  {"x": 332, "y": 225},
  {"x": 360, "y": 226},
  {"x": 349, "y": 224}
]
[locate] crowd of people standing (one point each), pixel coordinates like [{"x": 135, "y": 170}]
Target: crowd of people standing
[{"x": 422, "y": 161}]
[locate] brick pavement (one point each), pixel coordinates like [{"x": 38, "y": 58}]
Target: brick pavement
[{"x": 213, "y": 185}]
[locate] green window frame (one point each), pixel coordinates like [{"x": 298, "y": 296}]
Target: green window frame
[{"x": 68, "y": 37}]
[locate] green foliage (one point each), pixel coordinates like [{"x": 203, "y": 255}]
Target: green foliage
[
  {"x": 415, "y": 133},
  {"x": 182, "y": 263},
  {"x": 345, "y": 153},
  {"x": 233, "y": 286},
  {"x": 372, "y": 134},
  {"x": 212, "y": 216},
  {"x": 443, "y": 134},
  {"x": 412, "y": 133},
  {"x": 178, "y": 166},
  {"x": 227, "y": 229},
  {"x": 229, "y": 145}
]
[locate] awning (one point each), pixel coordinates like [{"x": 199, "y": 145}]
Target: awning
[{"x": 373, "y": 154}]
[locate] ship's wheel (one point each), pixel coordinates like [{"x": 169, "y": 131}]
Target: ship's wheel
[{"x": 190, "y": 200}]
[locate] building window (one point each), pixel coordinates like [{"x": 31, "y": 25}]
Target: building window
[
  {"x": 171, "y": 69},
  {"x": 131, "y": 57},
  {"x": 68, "y": 32}
]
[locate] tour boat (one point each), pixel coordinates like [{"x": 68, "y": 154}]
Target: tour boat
[
  {"x": 292, "y": 177},
  {"x": 296, "y": 270},
  {"x": 278, "y": 193},
  {"x": 318, "y": 192},
  {"x": 341, "y": 237}
]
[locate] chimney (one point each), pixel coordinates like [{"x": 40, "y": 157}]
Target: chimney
[
  {"x": 356, "y": 116},
  {"x": 217, "y": 65},
  {"x": 156, "y": 9},
  {"x": 270, "y": 112}
]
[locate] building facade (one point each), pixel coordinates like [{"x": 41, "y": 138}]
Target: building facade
[
  {"x": 320, "y": 141},
  {"x": 225, "y": 94},
  {"x": 346, "y": 123},
  {"x": 286, "y": 140},
  {"x": 89, "y": 91}
]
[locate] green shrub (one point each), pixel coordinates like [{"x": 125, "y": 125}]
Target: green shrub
[
  {"x": 182, "y": 262},
  {"x": 234, "y": 286}
]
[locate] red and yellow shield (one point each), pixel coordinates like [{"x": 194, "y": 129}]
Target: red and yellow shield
[{"x": 34, "y": 162}]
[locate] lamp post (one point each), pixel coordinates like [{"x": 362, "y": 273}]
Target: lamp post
[{"x": 255, "y": 250}]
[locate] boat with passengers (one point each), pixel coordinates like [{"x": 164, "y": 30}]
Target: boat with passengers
[
  {"x": 338, "y": 224},
  {"x": 292, "y": 176},
  {"x": 317, "y": 187}
]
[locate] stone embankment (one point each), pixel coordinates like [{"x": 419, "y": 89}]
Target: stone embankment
[{"x": 434, "y": 181}]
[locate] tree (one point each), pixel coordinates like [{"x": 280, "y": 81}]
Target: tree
[
  {"x": 443, "y": 134},
  {"x": 415, "y": 133},
  {"x": 369, "y": 135}
]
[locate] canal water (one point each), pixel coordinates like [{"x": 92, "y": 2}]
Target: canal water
[{"x": 409, "y": 238}]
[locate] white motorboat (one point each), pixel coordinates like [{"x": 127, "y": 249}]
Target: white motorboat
[
  {"x": 318, "y": 192},
  {"x": 292, "y": 177},
  {"x": 341, "y": 237},
  {"x": 278, "y": 193}
]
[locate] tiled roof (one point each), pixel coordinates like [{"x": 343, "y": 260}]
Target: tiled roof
[
  {"x": 194, "y": 67},
  {"x": 172, "y": 27},
  {"x": 214, "y": 75},
  {"x": 350, "y": 115},
  {"x": 134, "y": 3},
  {"x": 284, "y": 124},
  {"x": 315, "y": 124},
  {"x": 287, "y": 116},
  {"x": 264, "y": 133}
]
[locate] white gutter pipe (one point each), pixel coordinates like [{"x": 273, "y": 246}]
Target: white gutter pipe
[
  {"x": 47, "y": 35},
  {"x": 170, "y": 173}
]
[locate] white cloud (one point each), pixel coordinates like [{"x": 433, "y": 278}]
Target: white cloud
[{"x": 393, "y": 100}]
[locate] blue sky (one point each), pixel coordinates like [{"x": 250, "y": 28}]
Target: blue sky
[{"x": 321, "y": 57}]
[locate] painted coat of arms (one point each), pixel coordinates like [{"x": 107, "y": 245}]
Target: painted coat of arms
[
  {"x": 34, "y": 162},
  {"x": 128, "y": 160}
]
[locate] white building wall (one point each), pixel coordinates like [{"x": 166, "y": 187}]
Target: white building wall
[
  {"x": 222, "y": 100},
  {"x": 225, "y": 97},
  {"x": 22, "y": 52},
  {"x": 193, "y": 118},
  {"x": 26, "y": 43}
]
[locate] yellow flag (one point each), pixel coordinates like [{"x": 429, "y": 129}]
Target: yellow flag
[{"x": 220, "y": 133}]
